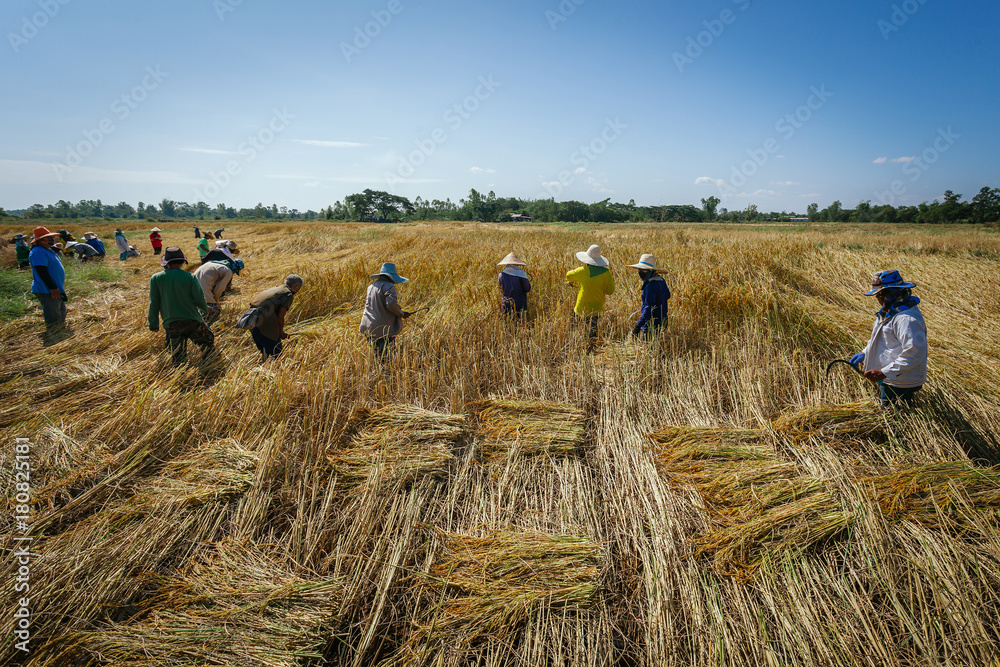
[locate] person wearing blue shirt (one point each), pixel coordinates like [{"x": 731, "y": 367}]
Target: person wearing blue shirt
[
  {"x": 48, "y": 281},
  {"x": 655, "y": 295},
  {"x": 90, "y": 238}
]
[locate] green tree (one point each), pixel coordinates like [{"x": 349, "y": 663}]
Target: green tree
[
  {"x": 986, "y": 205},
  {"x": 813, "y": 212},
  {"x": 709, "y": 205}
]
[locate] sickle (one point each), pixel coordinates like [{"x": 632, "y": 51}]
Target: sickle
[{"x": 843, "y": 361}]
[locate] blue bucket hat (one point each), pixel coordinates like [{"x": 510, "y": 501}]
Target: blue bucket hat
[
  {"x": 389, "y": 271},
  {"x": 888, "y": 280}
]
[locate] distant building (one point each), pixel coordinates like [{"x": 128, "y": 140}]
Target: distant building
[
  {"x": 517, "y": 217},
  {"x": 800, "y": 219}
]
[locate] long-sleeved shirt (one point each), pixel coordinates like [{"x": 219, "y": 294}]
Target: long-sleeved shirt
[
  {"x": 203, "y": 247},
  {"x": 47, "y": 272},
  {"x": 655, "y": 295},
  {"x": 596, "y": 283},
  {"x": 515, "y": 291},
  {"x": 898, "y": 347},
  {"x": 378, "y": 321},
  {"x": 270, "y": 302},
  {"x": 156, "y": 240},
  {"x": 121, "y": 243},
  {"x": 174, "y": 295},
  {"x": 21, "y": 250},
  {"x": 213, "y": 278},
  {"x": 96, "y": 244}
]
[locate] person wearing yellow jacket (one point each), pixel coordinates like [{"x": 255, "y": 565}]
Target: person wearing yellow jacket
[{"x": 596, "y": 283}]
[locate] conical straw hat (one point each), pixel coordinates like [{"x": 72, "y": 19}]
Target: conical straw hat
[{"x": 512, "y": 259}]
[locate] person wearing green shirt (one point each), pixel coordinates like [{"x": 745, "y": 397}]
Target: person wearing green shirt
[
  {"x": 203, "y": 246},
  {"x": 176, "y": 297},
  {"x": 596, "y": 283}
]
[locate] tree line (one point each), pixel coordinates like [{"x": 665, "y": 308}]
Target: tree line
[{"x": 378, "y": 205}]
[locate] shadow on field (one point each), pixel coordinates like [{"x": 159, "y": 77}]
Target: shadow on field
[{"x": 982, "y": 447}]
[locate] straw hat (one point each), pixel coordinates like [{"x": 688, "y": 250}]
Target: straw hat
[
  {"x": 389, "y": 271},
  {"x": 89, "y": 235},
  {"x": 887, "y": 280},
  {"x": 18, "y": 237},
  {"x": 646, "y": 262},
  {"x": 593, "y": 256},
  {"x": 172, "y": 255},
  {"x": 155, "y": 229},
  {"x": 512, "y": 259},
  {"x": 41, "y": 233}
]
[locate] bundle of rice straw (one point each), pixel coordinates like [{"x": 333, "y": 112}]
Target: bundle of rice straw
[
  {"x": 233, "y": 605},
  {"x": 528, "y": 427},
  {"x": 849, "y": 423},
  {"x": 937, "y": 495},
  {"x": 485, "y": 589},
  {"x": 396, "y": 445}
]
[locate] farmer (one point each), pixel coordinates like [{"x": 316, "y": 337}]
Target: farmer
[
  {"x": 219, "y": 232},
  {"x": 203, "y": 246},
  {"x": 47, "y": 284},
  {"x": 22, "y": 250},
  {"x": 83, "y": 251},
  {"x": 156, "y": 240},
  {"x": 213, "y": 278},
  {"x": 66, "y": 236},
  {"x": 514, "y": 285},
  {"x": 197, "y": 232},
  {"x": 895, "y": 358},
  {"x": 133, "y": 251},
  {"x": 90, "y": 238},
  {"x": 382, "y": 319},
  {"x": 655, "y": 295},
  {"x": 273, "y": 304},
  {"x": 177, "y": 297},
  {"x": 596, "y": 283},
  {"x": 122, "y": 244}
]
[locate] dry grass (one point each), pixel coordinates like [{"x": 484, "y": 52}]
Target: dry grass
[{"x": 492, "y": 497}]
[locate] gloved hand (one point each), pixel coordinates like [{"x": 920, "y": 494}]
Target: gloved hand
[
  {"x": 636, "y": 332},
  {"x": 857, "y": 358}
]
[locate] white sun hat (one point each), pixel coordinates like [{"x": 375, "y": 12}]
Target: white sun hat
[
  {"x": 512, "y": 259},
  {"x": 156, "y": 229},
  {"x": 593, "y": 256},
  {"x": 647, "y": 262}
]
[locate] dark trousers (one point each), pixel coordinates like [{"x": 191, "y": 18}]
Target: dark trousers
[
  {"x": 895, "y": 395},
  {"x": 53, "y": 310},
  {"x": 590, "y": 324},
  {"x": 157, "y": 249},
  {"x": 267, "y": 346},
  {"x": 181, "y": 331}
]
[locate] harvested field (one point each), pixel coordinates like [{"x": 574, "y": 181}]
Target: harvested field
[{"x": 497, "y": 496}]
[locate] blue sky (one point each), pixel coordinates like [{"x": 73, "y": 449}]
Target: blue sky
[{"x": 778, "y": 104}]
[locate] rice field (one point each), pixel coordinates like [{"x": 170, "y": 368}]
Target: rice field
[{"x": 498, "y": 496}]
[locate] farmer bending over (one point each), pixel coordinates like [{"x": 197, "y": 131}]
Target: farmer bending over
[
  {"x": 383, "y": 318},
  {"x": 273, "y": 304},
  {"x": 895, "y": 358},
  {"x": 514, "y": 285}
]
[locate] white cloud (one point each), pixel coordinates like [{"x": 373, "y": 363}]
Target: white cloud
[
  {"x": 330, "y": 144},
  {"x": 812, "y": 195},
  {"x": 209, "y": 151},
  {"x": 363, "y": 180},
  {"x": 779, "y": 156},
  {"x": 903, "y": 159},
  {"x": 311, "y": 184},
  {"x": 707, "y": 180},
  {"x": 880, "y": 160},
  {"x": 784, "y": 184},
  {"x": 476, "y": 170},
  {"x": 580, "y": 170},
  {"x": 28, "y": 172},
  {"x": 764, "y": 193}
]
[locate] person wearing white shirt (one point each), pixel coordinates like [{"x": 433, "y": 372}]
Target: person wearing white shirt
[{"x": 895, "y": 358}]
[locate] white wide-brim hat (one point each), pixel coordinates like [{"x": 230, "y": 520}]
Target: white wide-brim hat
[
  {"x": 512, "y": 259},
  {"x": 646, "y": 262},
  {"x": 593, "y": 256},
  {"x": 156, "y": 229}
]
